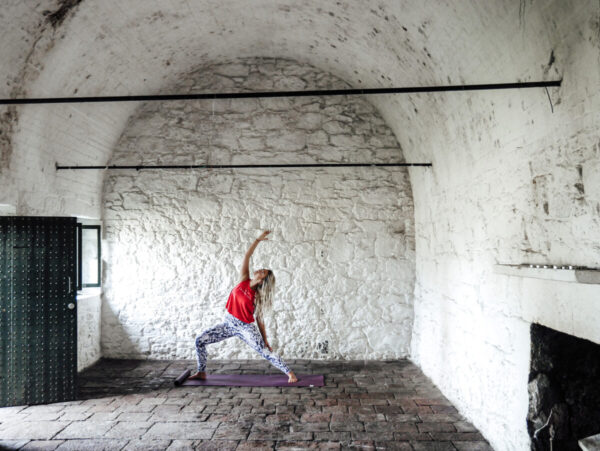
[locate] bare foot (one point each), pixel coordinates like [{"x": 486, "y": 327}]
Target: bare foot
[
  {"x": 292, "y": 377},
  {"x": 199, "y": 375}
]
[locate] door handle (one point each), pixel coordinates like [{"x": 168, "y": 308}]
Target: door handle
[{"x": 70, "y": 286}]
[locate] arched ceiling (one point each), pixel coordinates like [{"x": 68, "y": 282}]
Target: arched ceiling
[
  {"x": 142, "y": 46},
  {"x": 74, "y": 47}
]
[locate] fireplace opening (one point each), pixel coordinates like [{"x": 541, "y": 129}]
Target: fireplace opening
[{"x": 564, "y": 390}]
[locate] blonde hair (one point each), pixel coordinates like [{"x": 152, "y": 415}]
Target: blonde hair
[{"x": 264, "y": 296}]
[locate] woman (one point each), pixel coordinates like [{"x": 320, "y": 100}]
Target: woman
[{"x": 250, "y": 298}]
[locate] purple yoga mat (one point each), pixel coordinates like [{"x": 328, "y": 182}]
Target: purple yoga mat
[{"x": 253, "y": 380}]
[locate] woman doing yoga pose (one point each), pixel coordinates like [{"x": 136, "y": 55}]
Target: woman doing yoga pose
[{"x": 250, "y": 298}]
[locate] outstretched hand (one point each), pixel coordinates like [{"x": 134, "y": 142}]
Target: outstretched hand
[
  {"x": 263, "y": 236},
  {"x": 245, "y": 271}
]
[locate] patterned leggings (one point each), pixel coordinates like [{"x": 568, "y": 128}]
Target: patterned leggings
[{"x": 247, "y": 332}]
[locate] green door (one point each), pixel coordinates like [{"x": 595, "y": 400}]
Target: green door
[{"x": 38, "y": 314}]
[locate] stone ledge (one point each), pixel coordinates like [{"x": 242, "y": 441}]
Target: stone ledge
[
  {"x": 87, "y": 293},
  {"x": 590, "y": 276}
]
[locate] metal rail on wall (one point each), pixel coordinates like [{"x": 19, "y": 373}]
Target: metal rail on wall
[
  {"x": 270, "y": 94},
  {"x": 246, "y": 166},
  {"x": 267, "y": 94}
]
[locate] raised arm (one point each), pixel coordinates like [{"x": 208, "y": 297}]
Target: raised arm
[{"x": 245, "y": 271}]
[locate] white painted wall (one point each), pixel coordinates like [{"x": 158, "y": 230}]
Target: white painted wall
[
  {"x": 515, "y": 184},
  {"x": 342, "y": 243},
  {"x": 88, "y": 328}
]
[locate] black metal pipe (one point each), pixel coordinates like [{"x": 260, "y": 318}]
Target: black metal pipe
[
  {"x": 253, "y": 95},
  {"x": 245, "y": 166}
]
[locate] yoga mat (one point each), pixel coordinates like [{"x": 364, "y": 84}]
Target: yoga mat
[
  {"x": 182, "y": 377},
  {"x": 252, "y": 380}
]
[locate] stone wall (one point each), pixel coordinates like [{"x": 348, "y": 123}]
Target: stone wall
[
  {"x": 342, "y": 246},
  {"x": 479, "y": 205}
]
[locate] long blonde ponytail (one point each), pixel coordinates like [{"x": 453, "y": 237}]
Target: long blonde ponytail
[{"x": 264, "y": 296}]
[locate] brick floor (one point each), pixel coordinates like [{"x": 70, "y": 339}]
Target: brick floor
[{"x": 133, "y": 405}]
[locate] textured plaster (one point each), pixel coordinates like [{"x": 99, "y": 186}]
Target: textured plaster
[
  {"x": 342, "y": 246},
  {"x": 509, "y": 187},
  {"x": 88, "y": 329},
  {"x": 30, "y": 30}
]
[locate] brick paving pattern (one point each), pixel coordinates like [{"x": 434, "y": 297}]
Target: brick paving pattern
[{"x": 133, "y": 405}]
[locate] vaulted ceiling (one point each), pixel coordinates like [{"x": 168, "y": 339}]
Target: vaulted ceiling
[{"x": 83, "y": 48}]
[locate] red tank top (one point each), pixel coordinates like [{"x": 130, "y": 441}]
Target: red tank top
[{"x": 241, "y": 302}]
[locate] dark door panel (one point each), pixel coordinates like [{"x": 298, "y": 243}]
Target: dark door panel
[{"x": 37, "y": 276}]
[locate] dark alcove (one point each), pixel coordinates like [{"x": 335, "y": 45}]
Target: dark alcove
[{"x": 564, "y": 390}]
